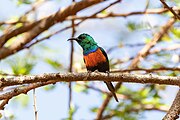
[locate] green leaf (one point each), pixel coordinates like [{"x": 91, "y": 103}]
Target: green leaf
[
  {"x": 22, "y": 66},
  {"x": 53, "y": 63},
  {"x": 20, "y": 2},
  {"x": 72, "y": 111},
  {"x": 18, "y": 25},
  {"x": 94, "y": 109},
  {"x": 176, "y": 32},
  {"x": 157, "y": 65},
  {"x": 144, "y": 93},
  {"x": 22, "y": 99},
  {"x": 80, "y": 88},
  {"x": 166, "y": 37},
  {"x": 134, "y": 26},
  {"x": 10, "y": 41},
  {"x": 49, "y": 87},
  {"x": 104, "y": 12},
  {"x": 147, "y": 40},
  {"x": 131, "y": 26}
]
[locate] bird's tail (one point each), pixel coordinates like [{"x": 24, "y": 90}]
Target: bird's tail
[{"x": 112, "y": 89}]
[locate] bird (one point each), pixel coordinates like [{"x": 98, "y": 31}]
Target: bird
[{"x": 95, "y": 58}]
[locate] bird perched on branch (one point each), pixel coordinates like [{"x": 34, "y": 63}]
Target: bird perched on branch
[{"x": 95, "y": 57}]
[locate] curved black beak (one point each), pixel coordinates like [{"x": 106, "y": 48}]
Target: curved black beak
[{"x": 72, "y": 39}]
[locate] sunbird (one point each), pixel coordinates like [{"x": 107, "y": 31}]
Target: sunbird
[{"x": 95, "y": 57}]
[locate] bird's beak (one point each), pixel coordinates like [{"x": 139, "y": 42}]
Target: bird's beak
[{"x": 72, "y": 39}]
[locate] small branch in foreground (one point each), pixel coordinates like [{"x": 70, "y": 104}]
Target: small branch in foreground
[
  {"x": 23, "y": 89},
  {"x": 4, "y": 102}
]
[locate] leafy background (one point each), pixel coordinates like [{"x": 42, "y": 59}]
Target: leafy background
[{"x": 116, "y": 35}]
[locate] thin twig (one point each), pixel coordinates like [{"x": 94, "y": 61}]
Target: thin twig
[
  {"x": 71, "y": 64},
  {"x": 35, "y": 105},
  {"x": 111, "y": 14},
  {"x": 4, "y": 102},
  {"x": 170, "y": 9},
  {"x": 168, "y": 48}
]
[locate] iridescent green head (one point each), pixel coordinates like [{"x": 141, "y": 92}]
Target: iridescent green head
[{"x": 86, "y": 42}]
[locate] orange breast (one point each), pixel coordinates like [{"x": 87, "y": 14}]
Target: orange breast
[{"x": 94, "y": 58}]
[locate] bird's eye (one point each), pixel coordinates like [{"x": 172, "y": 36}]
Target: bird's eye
[{"x": 81, "y": 37}]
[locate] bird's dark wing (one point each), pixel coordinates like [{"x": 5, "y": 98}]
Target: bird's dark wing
[
  {"x": 104, "y": 66},
  {"x": 104, "y": 53}
]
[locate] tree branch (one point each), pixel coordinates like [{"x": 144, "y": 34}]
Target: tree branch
[
  {"x": 47, "y": 37},
  {"x": 157, "y": 37},
  {"x": 23, "y": 89},
  {"x": 69, "y": 77},
  {"x": 42, "y": 25},
  {"x": 4, "y": 102},
  {"x": 170, "y": 9},
  {"x": 174, "y": 111},
  {"x": 102, "y": 16},
  {"x": 142, "y": 54}
]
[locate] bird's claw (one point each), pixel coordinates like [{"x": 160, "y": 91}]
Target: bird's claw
[{"x": 108, "y": 73}]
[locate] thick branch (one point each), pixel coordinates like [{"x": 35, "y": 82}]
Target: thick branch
[
  {"x": 45, "y": 24},
  {"x": 61, "y": 30},
  {"x": 69, "y": 77},
  {"x": 174, "y": 111}
]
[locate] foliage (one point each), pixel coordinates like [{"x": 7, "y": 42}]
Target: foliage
[
  {"x": 131, "y": 28},
  {"x": 21, "y": 66}
]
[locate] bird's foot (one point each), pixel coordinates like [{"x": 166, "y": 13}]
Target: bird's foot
[
  {"x": 96, "y": 71},
  {"x": 108, "y": 73},
  {"x": 88, "y": 74}
]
